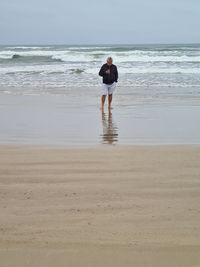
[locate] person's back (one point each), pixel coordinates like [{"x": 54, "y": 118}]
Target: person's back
[{"x": 110, "y": 77}]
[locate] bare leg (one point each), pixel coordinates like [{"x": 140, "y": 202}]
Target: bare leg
[
  {"x": 109, "y": 101},
  {"x": 103, "y": 98}
]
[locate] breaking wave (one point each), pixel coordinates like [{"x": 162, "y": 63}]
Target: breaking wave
[{"x": 138, "y": 65}]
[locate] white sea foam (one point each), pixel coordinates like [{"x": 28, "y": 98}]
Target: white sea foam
[
  {"x": 28, "y": 47},
  {"x": 89, "y": 47},
  {"x": 100, "y": 55},
  {"x": 134, "y": 70},
  {"x": 61, "y": 66}
]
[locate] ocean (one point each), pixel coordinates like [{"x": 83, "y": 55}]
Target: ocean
[{"x": 29, "y": 69}]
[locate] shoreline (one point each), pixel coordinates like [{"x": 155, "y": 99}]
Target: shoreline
[
  {"x": 115, "y": 206},
  {"x": 47, "y": 120}
]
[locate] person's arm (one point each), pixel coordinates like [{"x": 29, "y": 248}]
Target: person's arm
[
  {"x": 102, "y": 71},
  {"x": 116, "y": 75}
]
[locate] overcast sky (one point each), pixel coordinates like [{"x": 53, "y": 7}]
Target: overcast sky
[{"x": 99, "y": 22}]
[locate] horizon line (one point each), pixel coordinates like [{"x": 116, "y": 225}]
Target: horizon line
[{"x": 97, "y": 44}]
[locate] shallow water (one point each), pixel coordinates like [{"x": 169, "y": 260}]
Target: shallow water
[{"x": 75, "y": 119}]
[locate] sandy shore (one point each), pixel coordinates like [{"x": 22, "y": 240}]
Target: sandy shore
[{"x": 118, "y": 206}]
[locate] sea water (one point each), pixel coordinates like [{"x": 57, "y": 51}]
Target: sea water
[{"x": 41, "y": 68}]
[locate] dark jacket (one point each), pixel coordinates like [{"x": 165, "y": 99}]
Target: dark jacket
[{"x": 109, "y": 78}]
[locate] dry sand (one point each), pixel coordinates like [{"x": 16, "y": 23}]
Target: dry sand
[{"x": 118, "y": 206}]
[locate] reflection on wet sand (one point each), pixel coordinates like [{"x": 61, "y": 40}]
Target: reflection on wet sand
[{"x": 110, "y": 130}]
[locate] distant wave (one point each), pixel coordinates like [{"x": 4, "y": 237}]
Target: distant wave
[
  {"x": 49, "y": 70},
  {"x": 27, "y": 58},
  {"x": 78, "y": 66},
  {"x": 90, "y": 57},
  {"x": 120, "y": 55},
  {"x": 28, "y": 47},
  {"x": 15, "y": 56},
  {"x": 78, "y": 71}
]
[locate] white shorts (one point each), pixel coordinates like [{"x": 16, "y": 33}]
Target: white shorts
[{"x": 108, "y": 89}]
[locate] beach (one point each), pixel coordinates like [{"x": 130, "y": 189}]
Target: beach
[
  {"x": 81, "y": 187},
  {"x": 106, "y": 206},
  {"x": 50, "y": 95}
]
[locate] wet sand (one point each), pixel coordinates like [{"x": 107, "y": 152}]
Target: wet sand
[
  {"x": 74, "y": 120},
  {"x": 106, "y": 206}
]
